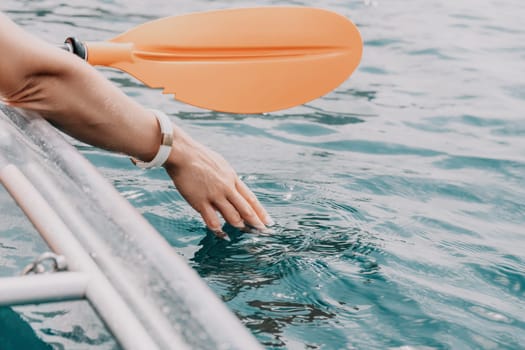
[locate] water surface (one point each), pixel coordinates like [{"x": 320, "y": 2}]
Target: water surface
[{"x": 398, "y": 198}]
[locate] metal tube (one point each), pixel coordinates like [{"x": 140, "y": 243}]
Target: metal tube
[
  {"x": 151, "y": 317},
  {"x": 108, "y": 303},
  {"x": 49, "y": 287}
]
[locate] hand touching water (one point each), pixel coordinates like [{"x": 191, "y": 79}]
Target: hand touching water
[{"x": 210, "y": 185}]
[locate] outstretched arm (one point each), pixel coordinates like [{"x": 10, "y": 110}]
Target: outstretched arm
[{"x": 77, "y": 99}]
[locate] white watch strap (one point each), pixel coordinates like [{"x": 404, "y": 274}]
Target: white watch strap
[{"x": 166, "y": 130}]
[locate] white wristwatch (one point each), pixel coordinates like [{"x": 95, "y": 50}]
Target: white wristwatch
[{"x": 166, "y": 130}]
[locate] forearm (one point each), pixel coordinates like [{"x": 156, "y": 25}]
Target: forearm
[
  {"x": 72, "y": 95},
  {"x": 83, "y": 104}
]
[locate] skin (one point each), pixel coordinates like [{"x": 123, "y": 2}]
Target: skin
[{"x": 81, "y": 102}]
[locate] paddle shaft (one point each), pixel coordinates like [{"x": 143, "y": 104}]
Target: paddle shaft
[{"x": 100, "y": 53}]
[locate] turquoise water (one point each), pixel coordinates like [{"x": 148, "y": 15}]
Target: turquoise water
[{"x": 398, "y": 198}]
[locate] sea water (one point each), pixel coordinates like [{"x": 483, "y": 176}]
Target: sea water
[{"x": 399, "y": 199}]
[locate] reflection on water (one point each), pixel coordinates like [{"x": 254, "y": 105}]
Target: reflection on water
[{"x": 398, "y": 198}]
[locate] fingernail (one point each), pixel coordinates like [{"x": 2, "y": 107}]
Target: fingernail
[
  {"x": 239, "y": 225},
  {"x": 269, "y": 221},
  {"x": 268, "y": 231},
  {"x": 261, "y": 228},
  {"x": 222, "y": 234}
]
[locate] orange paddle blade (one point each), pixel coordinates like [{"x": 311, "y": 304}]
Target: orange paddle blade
[{"x": 249, "y": 60}]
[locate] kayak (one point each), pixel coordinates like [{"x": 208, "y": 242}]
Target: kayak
[{"x": 105, "y": 251}]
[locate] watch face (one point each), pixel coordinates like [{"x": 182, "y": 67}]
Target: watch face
[{"x": 167, "y": 139}]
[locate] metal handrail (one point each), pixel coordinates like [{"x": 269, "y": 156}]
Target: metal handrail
[
  {"x": 44, "y": 288},
  {"x": 98, "y": 290}
]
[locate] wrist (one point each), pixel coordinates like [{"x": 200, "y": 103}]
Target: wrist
[{"x": 181, "y": 150}]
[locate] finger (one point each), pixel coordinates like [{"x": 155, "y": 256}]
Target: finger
[
  {"x": 210, "y": 217},
  {"x": 254, "y": 202},
  {"x": 246, "y": 211},
  {"x": 229, "y": 213}
]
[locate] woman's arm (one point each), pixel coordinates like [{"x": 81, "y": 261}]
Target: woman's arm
[
  {"x": 81, "y": 102},
  {"x": 72, "y": 95}
]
